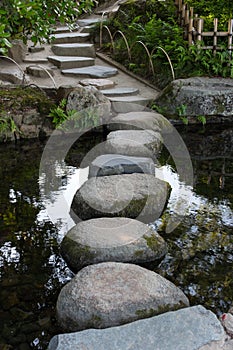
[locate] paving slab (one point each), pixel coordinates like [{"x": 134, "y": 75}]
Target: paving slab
[
  {"x": 116, "y": 164},
  {"x": 121, "y": 91},
  {"x": 92, "y": 71},
  {"x": 70, "y": 37},
  {"x": 186, "y": 329},
  {"x": 74, "y": 49},
  {"x": 69, "y": 62}
]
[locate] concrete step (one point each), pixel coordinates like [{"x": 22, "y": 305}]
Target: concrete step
[
  {"x": 64, "y": 38},
  {"x": 69, "y": 62},
  {"x": 81, "y": 50},
  {"x": 127, "y": 104},
  {"x": 66, "y": 29},
  {"x": 86, "y": 29},
  {"x": 90, "y": 21},
  {"x": 34, "y": 60},
  {"x": 120, "y": 91},
  {"x": 92, "y": 71}
]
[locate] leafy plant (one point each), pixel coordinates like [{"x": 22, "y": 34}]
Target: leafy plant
[
  {"x": 72, "y": 119},
  {"x": 59, "y": 113},
  {"x": 202, "y": 119},
  {"x": 181, "y": 111},
  {"x": 36, "y": 18},
  {"x": 8, "y": 126}
]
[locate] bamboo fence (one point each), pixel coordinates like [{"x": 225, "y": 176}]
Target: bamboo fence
[{"x": 194, "y": 32}]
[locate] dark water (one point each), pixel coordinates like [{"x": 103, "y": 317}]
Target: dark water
[{"x": 32, "y": 225}]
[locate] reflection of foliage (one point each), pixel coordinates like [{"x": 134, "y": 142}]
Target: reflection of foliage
[{"x": 32, "y": 274}]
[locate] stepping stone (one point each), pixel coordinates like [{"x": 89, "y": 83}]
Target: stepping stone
[
  {"x": 137, "y": 120},
  {"x": 98, "y": 83},
  {"x": 191, "y": 328},
  {"x": 111, "y": 294},
  {"x": 86, "y": 29},
  {"x": 71, "y": 37},
  {"x": 81, "y": 49},
  {"x": 116, "y": 164},
  {"x": 137, "y": 143},
  {"x": 93, "y": 71},
  {"x": 111, "y": 239},
  {"x": 39, "y": 72},
  {"x": 120, "y": 91},
  {"x": 129, "y": 103},
  {"x": 140, "y": 196},
  {"x": 67, "y": 62}
]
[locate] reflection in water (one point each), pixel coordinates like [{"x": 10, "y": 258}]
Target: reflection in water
[
  {"x": 34, "y": 216},
  {"x": 57, "y": 201}
]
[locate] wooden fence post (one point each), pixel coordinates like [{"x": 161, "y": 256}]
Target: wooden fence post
[
  {"x": 215, "y": 36},
  {"x": 230, "y": 31}
]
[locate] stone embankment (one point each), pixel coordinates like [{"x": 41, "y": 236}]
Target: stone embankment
[{"x": 132, "y": 306}]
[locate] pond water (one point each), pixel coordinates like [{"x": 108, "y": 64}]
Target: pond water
[{"x": 32, "y": 224}]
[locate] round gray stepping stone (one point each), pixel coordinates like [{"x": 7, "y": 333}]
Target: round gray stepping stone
[
  {"x": 114, "y": 164},
  {"x": 67, "y": 62},
  {"x": 191, "y": 328},
  {"x": 92, "y": 71},
  {"x": 111, "y": 294},
  {"x": 111, "y": 239},
  {"x": 124, "y": 104},
  {"x": 140, "y": 196},
  {"x": 100, "y": 84},
  {"x": 120, "y": 91},
  {"x": 141, "y": 143},
  {"x": 138, "y": 120},
  {"x": 81, "y": 49}
]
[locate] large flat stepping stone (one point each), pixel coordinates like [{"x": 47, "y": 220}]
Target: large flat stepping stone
[
  {"x": 111, "y": 239},
  {"x": 71, "y": 37},
  {"x": 140, "y": 196},
  {"x": 120, "y": 91},
  {"x": 138, "y": 143},
  {"x": 139, "y": 120},
  {"x": 92, "y": 71},
  {"x": 116, "y": 164},
  {"x": 67, "y": 62},
  {"x": 81, "y": 49},
  {"x": 100, "y": 84},
  {"x": 190, "y": 328},
  {"x": 111, "y": 294}
]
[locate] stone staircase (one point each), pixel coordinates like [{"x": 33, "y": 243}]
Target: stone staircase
[{"x": 72, "y": 59}]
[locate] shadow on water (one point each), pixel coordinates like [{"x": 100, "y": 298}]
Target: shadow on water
[{"x": 32, "y": 272}]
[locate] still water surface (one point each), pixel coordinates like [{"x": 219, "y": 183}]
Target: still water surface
[{"x": 32, "y": 225}]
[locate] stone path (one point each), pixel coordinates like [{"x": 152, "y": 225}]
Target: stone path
[{"x": 113, "y": 292}]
